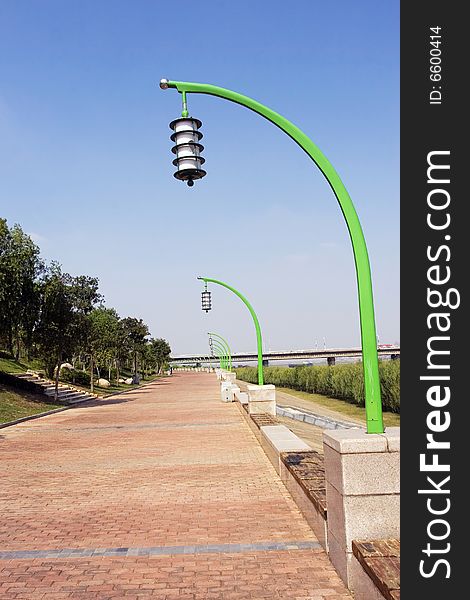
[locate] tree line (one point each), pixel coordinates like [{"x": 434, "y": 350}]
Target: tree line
[{"x": 50, "y": 315}]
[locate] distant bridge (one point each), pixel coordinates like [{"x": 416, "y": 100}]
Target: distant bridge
[{"x": 330, "y": 355}]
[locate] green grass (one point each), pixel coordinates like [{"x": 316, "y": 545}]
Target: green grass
[
  {"x": 15, "y": 404},
  {"x": 8, "y": 365},
  {"x": 341, "y": 406}
]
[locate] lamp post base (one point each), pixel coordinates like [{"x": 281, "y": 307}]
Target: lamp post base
[{"x": 262, "y": 399}]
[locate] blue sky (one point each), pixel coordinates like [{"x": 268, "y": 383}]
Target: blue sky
[{"x": 85, "y": 160}]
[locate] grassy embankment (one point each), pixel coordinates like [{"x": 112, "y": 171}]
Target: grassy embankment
[{"x": 15, "y": 404}]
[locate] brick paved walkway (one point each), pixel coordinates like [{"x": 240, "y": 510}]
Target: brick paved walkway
[{"x": 162, "y": 492}]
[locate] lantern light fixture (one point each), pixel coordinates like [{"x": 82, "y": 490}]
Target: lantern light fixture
[
  {"x": 206, "y": 300},
  {"x": 189, "y": 160}
]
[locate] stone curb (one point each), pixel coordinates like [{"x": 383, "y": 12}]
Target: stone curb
[{"x": 314, "y": 419}]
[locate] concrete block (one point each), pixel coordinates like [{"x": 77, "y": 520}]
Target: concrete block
[
  {"x": 261, "y": 393},
  {"x": 362, "y": 517},
  {"x": 363, "y": 474},
  {"x": 262, "y": 399},
  {"x": 353, "y": 441},
  {"x": 228, "y": 376},
  {"x": 226, "y": 392},
  {"x": 242, "y": 397},
  {"x": 362, "y": 491},
  {"x": 257, "y": 408}
]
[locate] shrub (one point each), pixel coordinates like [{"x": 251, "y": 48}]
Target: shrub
[
  {"x": 74, "y": 376},
  {"x": 343, "y": 381}
]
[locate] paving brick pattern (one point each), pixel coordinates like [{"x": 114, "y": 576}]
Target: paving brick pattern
[{"x": 163, "y": 492}]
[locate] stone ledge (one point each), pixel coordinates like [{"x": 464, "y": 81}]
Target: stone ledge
[
  {"x": 276, "y": 439},
  {"x": 357, "y": 441},
  {"x": 283, "y": 439},
  {"x": 354, "y": 441},
  {"x": 242, "y": 397},
  {"x": 380, "y": 560}
]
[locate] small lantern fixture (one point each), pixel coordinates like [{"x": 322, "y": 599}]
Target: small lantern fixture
[
  {"x": 187, "y": 149},
  {"x": 206, "y": 300}
]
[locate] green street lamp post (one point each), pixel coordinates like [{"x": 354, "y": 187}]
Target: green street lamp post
[
  {"x": 220, "y": 350},
  {"x": 259, "y": 339},
  {"x": 218, "y": 354},
  {"x": 222, "y": 354},
  {"x": 190, "y": 159},
  {"x": 224, "y": 342}
]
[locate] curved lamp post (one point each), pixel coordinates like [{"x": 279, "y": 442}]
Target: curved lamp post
[
  {"x": 364, "y": 283},
  {"x": 259, "y": 339},
  {"x": 224, "y": 342},
  {"x": 217, "y": 354},
  {"x": 221, "y": 353}
]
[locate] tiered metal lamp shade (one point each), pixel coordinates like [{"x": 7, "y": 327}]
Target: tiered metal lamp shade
[
  {"x": 187, "y": 148},
  {"x": 206, "y": 300}
]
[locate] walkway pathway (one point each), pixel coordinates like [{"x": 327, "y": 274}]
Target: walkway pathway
[{"x": 162, "y": 492}]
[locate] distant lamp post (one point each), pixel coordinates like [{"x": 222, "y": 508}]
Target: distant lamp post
[
  {"x": 222, "y": 354},
  {"x": 220, "y": 351},
  {"x": 373, "y": 402},
  {"x": 225, "y": 345},
  {"x": 259, "y": 339}
]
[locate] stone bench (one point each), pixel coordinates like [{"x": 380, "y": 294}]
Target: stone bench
[
  {"x": 241, "y": 397},
  {"x": 276, "y": 439},
  {"x": 375, "y": 569},
  {"x": 303, "y": 474}
]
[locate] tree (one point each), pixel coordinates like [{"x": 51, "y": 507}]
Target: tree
[
  {"x": 85, "y": 295},
  {"x": 161, "y": 351},
  {"x": 104, "y": 335},
  {"x": 122, "y": 346},
  {"x": 20, "y": 269},
  {"x": 136, "y": 332},
  {"x": 65, "y": 303},
  {"x": 54, "y": 332}
]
